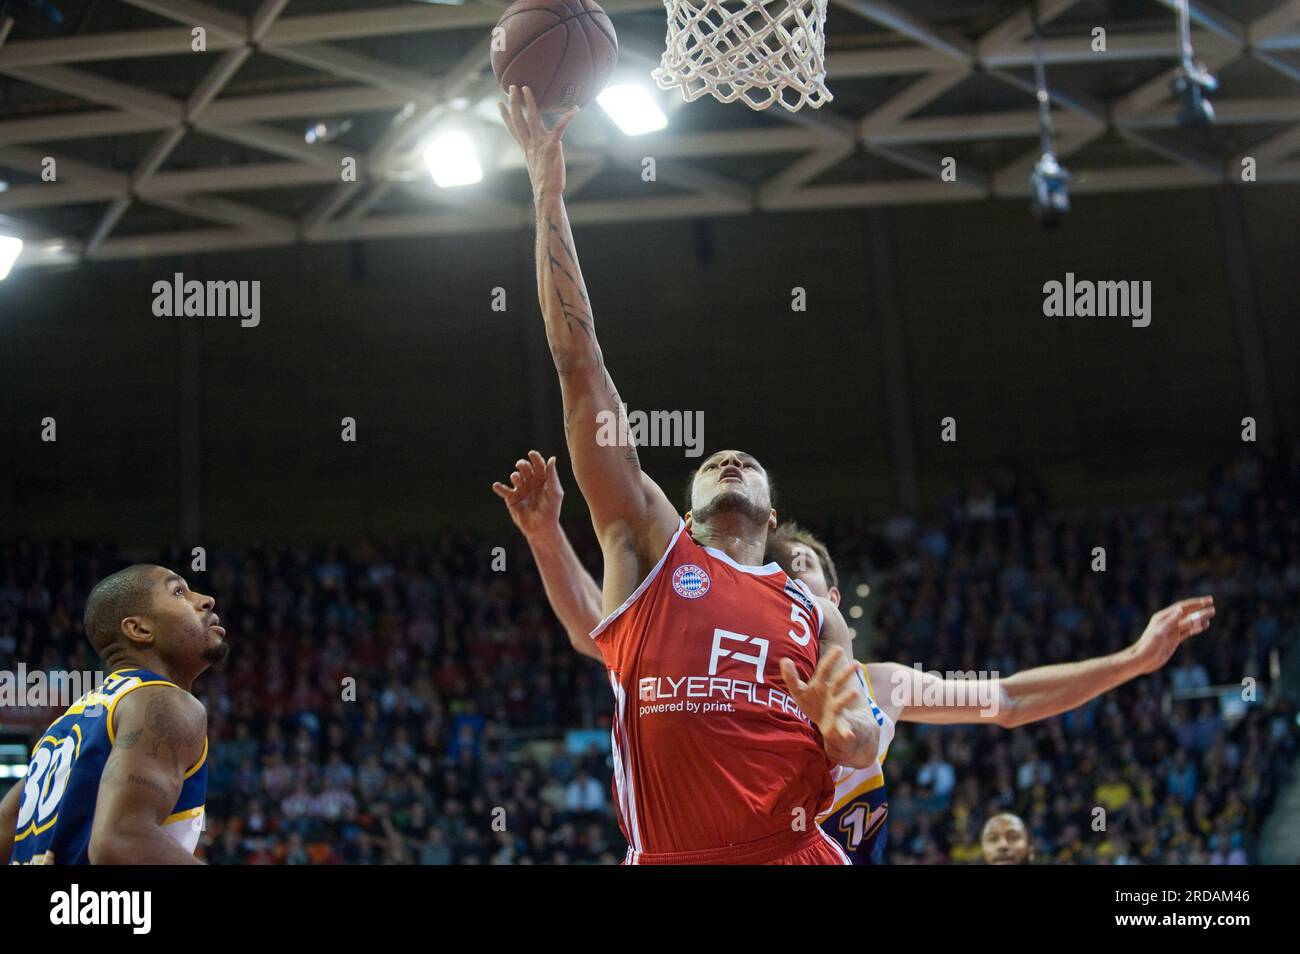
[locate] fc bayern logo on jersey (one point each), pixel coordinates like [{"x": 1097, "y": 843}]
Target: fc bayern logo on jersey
[{"x": 690, "y": 581}]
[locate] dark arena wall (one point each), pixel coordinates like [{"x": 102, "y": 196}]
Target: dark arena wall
[{"x": 172, "y": 426}]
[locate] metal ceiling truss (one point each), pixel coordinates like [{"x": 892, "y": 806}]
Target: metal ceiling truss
[{"x": 939, "y": 60}]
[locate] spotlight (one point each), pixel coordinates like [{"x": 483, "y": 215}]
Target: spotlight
[
  {"x": 632, "y": 108},
  {"x": 1048, "y": 191},
  {"x": 10, "y": 248},
  {"x": 452, "y": 160}
]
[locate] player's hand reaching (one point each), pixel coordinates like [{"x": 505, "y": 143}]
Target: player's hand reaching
[
  {"x": 543, "y": 151},
  {"x": 534, "y": 495},
  {"x": 826, "y": 699},
  {"x": 1168, "y": 628}
]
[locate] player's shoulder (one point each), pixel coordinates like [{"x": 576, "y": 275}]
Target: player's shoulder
[{"x": 164, "y": 709}]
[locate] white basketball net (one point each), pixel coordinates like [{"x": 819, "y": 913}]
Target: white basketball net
[{"x": 759, "y": 51}]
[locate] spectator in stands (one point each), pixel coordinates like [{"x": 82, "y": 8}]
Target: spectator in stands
[{"x": 382, "y": 701}]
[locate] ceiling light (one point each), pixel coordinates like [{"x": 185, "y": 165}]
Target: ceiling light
[
  {"x": 10, "y": 248},
  {"x": 632, "y": 108},
  {"x": 452, "y": 160}
]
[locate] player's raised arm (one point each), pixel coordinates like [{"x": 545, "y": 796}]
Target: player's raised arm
[
  {"x": 628, "y": 510},
  {"x": 1039, "y": 693},
  {"x": 533, "y": 499},
  {"x": 161, "y": 733}
]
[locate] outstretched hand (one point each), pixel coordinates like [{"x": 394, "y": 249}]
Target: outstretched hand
[
  {"x": 826, "y": 699},
  {"x": 1169, "y": 627},
  {"x": 534, "y": 495},
  {"x": 543, "y": 151}
]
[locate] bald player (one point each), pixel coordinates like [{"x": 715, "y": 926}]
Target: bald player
[
  {"x": 1005, "y": 841},
  {"x": 121, "y": 776},
  {"x": 859, "y": 807}
]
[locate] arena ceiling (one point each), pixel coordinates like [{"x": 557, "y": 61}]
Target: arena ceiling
[{"x": 163, "y": 150}]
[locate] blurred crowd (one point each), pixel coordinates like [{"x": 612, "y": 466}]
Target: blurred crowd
[
  {"x": 1149, "y": 773},
  {"x": 396, "y": 703}
]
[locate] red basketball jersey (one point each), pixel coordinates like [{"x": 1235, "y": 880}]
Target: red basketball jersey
[{"x": 709, "y": 749}]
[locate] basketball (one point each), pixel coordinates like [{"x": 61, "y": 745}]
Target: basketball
[{"x": 564, "y": 50}]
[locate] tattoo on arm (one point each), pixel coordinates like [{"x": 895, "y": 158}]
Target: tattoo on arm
[
  {"x": 129, "y": 740},
  {"x": 134, "y": 779},
  {"x": 167, "y": 730},
  {"x": 574, "y": 313}
]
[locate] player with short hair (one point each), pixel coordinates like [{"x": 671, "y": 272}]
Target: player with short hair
[
  {"x": 1006, "y": 841},
  {"x": 732, "y": 683},
  {"x": 859, "y": 808},
  {"x": 121, "y": 776}
]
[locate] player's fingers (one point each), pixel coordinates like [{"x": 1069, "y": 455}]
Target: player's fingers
[
  {"x": 563, "y": 123},
  {"x": 535, "y": 124},
  {"x": 516, "y": 481},
  {"x": 1201, "y": 604},
  {"x": 550, "y": 467},
  {"x": 842, "y": 676},
  {"x": 536, "y": 460},
  {"x": 517, "y": 114},
  {"x": 828, "y": 668},
  {"x": 844, "y": 699},
  {"x": 1185, "y": 607},
  {"x": 829, "y": 662},
  {"x": 504, "y": 110},
  {"x": 790, "y": 676},
  {"x": 1197, "y": 622},
  {"x": 1167, "y": 617},
  {"x": 501, "y": 490},
  {"x": 838, "y": 733},
  {"x": 508, "y": 115},
  {"x": 524, "y": 467}
]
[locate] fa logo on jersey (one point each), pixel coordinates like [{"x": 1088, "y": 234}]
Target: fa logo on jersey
[{"x": 690, "y": 581}]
